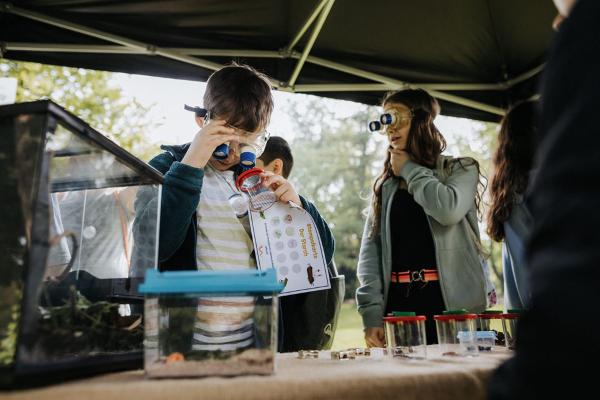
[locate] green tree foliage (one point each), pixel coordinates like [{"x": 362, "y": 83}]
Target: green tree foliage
[
  {"x": 91, "y": 95},
  {"x": 335, "y": 164}
]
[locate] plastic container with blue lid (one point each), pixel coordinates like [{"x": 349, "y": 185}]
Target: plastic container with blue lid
[
  {"x": 486, "y": 340},
  {"x": 210, "y": 323}
]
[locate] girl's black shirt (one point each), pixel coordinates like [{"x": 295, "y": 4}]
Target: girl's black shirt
[
  {"x": 412, "y": 250},
  {"x": 412, "y": 243}
]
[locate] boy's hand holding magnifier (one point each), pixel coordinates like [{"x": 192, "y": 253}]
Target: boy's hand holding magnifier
[
  {"x": 210, "y": 136},
  {"x": 282, "y": 188}
]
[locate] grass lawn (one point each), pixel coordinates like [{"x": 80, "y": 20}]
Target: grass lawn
[{"x": 349, "y": 332}]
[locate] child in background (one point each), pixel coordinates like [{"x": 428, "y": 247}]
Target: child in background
[
  {"x": 307, "y": 320},
  {"x": 509, "y": 219},
  {"x": 277, "y": 157}
]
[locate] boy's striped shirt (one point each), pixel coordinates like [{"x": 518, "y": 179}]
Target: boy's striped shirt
[{"x": 222, "y": 323}]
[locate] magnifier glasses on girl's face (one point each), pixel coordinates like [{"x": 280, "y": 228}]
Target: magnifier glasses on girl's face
[{"x": 393, "y": 118}]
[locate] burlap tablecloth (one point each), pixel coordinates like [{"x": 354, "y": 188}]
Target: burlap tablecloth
[{"x": 362, "y": 378}]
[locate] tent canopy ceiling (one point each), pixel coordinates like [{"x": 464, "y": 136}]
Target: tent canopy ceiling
[{"x": 476, "y": 56}]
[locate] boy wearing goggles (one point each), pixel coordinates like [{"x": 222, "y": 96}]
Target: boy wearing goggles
[{"x": 200, "y": 227}]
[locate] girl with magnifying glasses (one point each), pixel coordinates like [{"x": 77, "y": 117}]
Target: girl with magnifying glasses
[{"x": 420, "y": 246}]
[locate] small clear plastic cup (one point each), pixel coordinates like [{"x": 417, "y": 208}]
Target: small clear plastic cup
[
  {"x": 491, "y": 320},
  {"x": 405, "y": 335},
  {"x": 467, "y": 343},
  {"x": 449, "y": 326},
  {"x": 486, "y": 340}
]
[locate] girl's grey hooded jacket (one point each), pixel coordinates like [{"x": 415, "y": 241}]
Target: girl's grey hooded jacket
[{"x": 447, "y": 195}]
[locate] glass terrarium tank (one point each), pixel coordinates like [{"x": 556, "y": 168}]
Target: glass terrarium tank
[
  {"x": 79, "y": 228},
  {"x": 210, "y": 323}
]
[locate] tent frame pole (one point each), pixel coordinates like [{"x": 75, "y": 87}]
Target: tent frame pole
[
  {"x": 305, "y": 26},
  {"x": 190, "y": 51},
  {"x": 526, "y": 75},
  {"x": 311, "y": 41},
  {"x": 403, "y": 85},
  {"x": 133, "y": 44},
  {"x": 109, "y": 49},
  {"x": 381, "y": 87}
]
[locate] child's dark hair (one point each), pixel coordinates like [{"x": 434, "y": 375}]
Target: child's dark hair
[
  {"x": 512, "y": 162},
  {"x": 278, "y": 147},
  {"x": 241, "y": 95}
]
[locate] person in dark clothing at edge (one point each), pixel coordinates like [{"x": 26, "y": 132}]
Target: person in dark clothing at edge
[
  {"x": 199, "y": 228},
  {"x": 557, "y": 338}
]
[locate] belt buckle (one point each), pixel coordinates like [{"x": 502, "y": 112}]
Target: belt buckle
[{"x": 417, "y": 276}]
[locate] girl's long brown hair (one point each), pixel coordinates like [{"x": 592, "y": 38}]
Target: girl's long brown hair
[
  {"x": 512, "y": 163},
  {"x": 425, "y": 143}
]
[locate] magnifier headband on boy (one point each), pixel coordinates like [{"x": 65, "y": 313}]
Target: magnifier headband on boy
[
  {"x": 391, "y": 120},
  {"x": 252, "y": 144}
]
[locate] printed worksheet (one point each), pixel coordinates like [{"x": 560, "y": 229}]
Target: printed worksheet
[{"x": 286, "y": 238}]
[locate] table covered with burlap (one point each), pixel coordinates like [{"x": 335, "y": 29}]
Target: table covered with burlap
[{"x": 323, "y": 378}]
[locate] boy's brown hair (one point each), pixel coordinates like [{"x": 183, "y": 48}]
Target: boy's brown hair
[{"x": 241, "y": 95}]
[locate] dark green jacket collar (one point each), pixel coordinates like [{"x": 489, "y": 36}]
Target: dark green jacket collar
[{"x": 177, "y": 151}]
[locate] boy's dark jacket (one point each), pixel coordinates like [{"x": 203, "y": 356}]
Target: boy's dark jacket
[{"x": 308, "y": 320}]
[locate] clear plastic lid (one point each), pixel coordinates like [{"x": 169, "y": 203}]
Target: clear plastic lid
[{"x": 485, "y": 335}]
